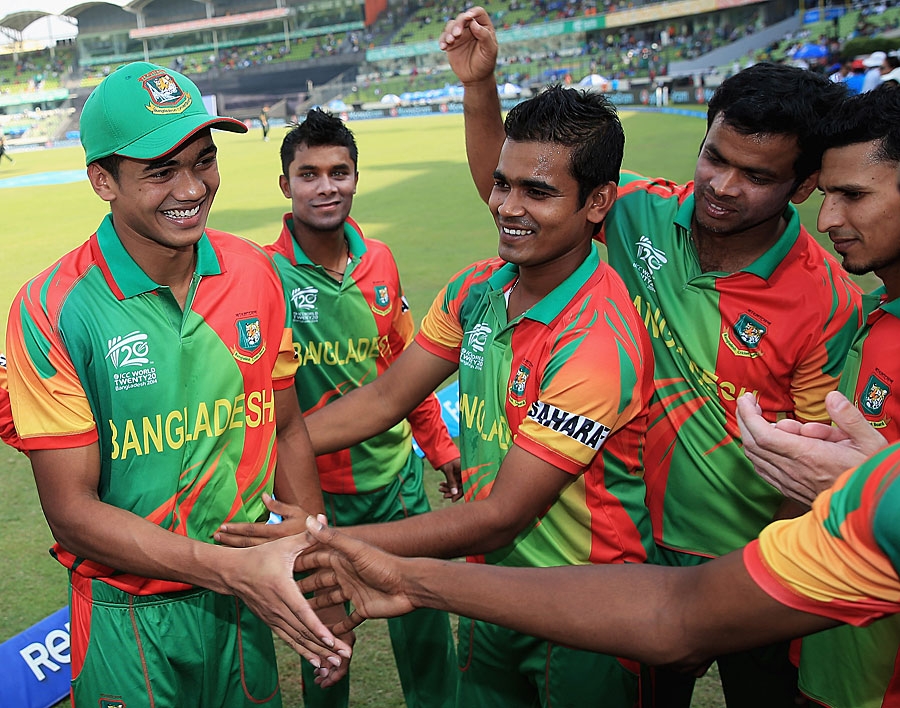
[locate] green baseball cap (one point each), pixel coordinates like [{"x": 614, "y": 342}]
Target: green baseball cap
[{"x": 144, "y": 111}]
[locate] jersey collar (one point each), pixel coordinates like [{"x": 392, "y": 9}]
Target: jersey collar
[
  {"x": 127, "y": 277},
  {"x": 352, "y": 232},
  {"x": 766, "y": 264},
  {"x": 552, "y": 304},
  {"x": 873, "y": 302}
]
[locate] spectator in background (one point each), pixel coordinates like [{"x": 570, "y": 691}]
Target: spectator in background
[
  {"x": 854, "y": 80},
  {"x": 875, "y": 66}
]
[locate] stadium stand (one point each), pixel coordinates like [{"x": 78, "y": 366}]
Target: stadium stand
[{"x": 291, "y": 54}]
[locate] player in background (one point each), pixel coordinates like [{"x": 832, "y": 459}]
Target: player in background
[
  {"x": 554, "y": 375},
  {"x": 710, "y": 265},
  {"x": 147, "y": 370},
  {"x": 350, "y": 322},
  {"x": 4, "y": 151},
  {"x": 264, "y": 123}
]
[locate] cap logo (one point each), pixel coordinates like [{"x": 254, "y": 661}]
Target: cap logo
[{"x": 166, "y": 96}]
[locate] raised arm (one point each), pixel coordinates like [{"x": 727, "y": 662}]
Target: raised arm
[{"x": 471, "y": 46}]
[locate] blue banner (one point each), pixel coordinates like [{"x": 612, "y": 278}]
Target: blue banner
[{"x": 36, "y": 664}]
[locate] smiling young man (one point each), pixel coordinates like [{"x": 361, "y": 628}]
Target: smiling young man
[
  {"x": 710, "y": 266},
  {"x": 851, "y": 667},
  {"x": 350, "y": 322},
  {"x": 148, "y": 368},
  {"x": 551, "y": 475}
]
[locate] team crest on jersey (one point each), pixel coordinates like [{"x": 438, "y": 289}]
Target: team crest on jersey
[
  {"x": 874, "y": 396},
  {"x": 112, "y": 703},
  {"x": 745, "y": 336},
  {"x": 166, "y": 96},
  {"x": 517, "y": 387},
  {"x": 250, "y": 342},
  {"x": 382, "y": 304}
]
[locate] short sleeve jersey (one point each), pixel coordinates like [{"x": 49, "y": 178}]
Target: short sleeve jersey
[
  {"x": 862, "y": 665},
  {"x": 181, "y": 403},
  {"x": 8, "y": 433},
  {"x": 780, "y": 329},
  {"x": 567, "y": 381},
  {"x": 842, "y": 559},
  {"x": 345, "y": 335}
]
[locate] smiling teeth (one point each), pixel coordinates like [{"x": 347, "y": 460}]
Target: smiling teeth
[
  {"x": 182, "y": 213},
  {"x": 518, "y": 232}
]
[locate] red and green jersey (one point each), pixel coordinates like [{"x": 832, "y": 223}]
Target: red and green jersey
[
  {"x": 345, "y": 335},
  {"x": 8, "y": 432},
  {"x": 855, "y": 667},
  {"x": 842, "y": 559},
  {"x": 780, "y": 329},
  {"x": 181, "y": 403},
  {"x": 871, "y": 377},
  {"x": 568, "y": 381}
]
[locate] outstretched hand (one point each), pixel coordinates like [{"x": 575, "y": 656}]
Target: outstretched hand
[
  {"x": 471, "y": 45},
  {"x": 263, "y": 577},
  {"x": 245, "y": 535},
  {"x": 348, "y": 569},
  {"x": 802, "y": 460}
]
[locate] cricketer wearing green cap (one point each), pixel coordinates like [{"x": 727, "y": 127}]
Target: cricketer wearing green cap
[{"x": 151, "y": 365}]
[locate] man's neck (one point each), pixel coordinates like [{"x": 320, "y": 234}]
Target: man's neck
[
  {"x": 730, "y": 253},
  {"x": 174, "y": 269},
  {"x": 536, "y": 282},
  {"x": 327, "y": 249},
  {"x": 890, "y": 276}
]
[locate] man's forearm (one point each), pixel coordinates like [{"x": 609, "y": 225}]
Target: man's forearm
[
  {"x": 451, "y": 532},
  {"x": 649, "y": 613},
  {"x": 484, "y": 132}
]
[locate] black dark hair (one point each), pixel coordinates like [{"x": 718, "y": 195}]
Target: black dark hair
[
  {"x": 317, "y": 129},
  {"x": 775, "y": 99},
  {"x": 867, "y": 117},
  {"x": 111, "y": 163},
  {"x": 584, "y": 121}
]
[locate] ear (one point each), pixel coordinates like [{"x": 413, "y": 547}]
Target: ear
[
  {"x": 600, "y": 202},
  {"x": 285, "y": 185},
  {"x": 102, "y": 182},
  {"x": 807, "y": 187},
  {"x": 355, "y": 182}
]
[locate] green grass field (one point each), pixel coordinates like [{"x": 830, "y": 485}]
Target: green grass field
[{"x": 415, "y": 193}]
